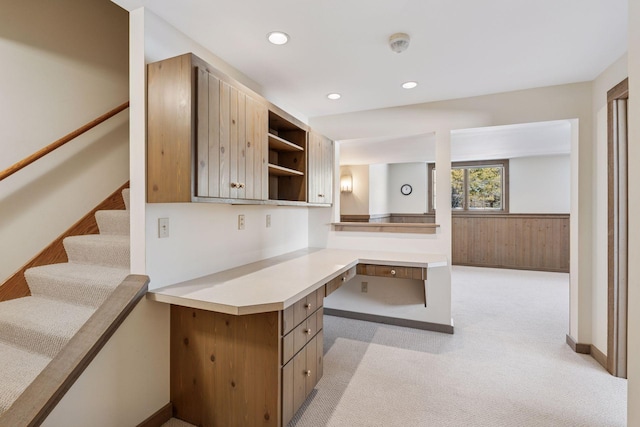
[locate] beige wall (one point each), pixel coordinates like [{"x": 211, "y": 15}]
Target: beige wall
[
  {"x": 356, "y": 202},
  {"x": 64, "y": 64}
]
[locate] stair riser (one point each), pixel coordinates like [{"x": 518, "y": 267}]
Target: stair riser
[
  {"x": 113, "y": 255},
  {"x": 113, "y": 222},
  {"x": 69, "y": 291},
  {"x": 30, "y": 340}
]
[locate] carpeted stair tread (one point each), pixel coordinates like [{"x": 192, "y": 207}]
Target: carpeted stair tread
[
  {"x": 174, "y": 422},
  {"x": 19, "y": 369},
  {"x": 84, "y": 284},
  {"x": 41, "y": 325},
  {"x": 125, "y": 197},
  {"x": 98, "y": 249},
  {"x": 113, "y": 222}
]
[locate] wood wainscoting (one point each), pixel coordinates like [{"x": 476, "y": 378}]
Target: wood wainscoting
[{"x": 518, "y": 241}]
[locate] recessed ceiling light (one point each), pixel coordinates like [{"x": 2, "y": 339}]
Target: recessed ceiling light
[
  {"x": 278, "y": 37},
  {"x": 409, "y": 85},
  {"x": 334, "y": 96}
]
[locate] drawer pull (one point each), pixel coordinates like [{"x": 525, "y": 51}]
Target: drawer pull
[
  {"x": 307, "y": 331},
  {"x": 393, "y": 272},
  {"x": 308, "y": 372},
  {"x": 234, "y": 185},
  {"x": 344, "y": 278},
  {"x": 307, "y": 306}
]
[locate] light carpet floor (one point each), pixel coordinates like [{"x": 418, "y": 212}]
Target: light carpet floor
[{"x": 506, "y": 365}]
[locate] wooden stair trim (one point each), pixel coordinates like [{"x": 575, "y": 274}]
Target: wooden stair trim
[
  {"x": 16, "y": 285},
  {"x": 158, "y": 418},
  {"x": 43, "y": 394},
  {"x": 60, "y": 142}
]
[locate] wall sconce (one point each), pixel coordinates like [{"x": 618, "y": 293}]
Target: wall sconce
[{"x": 346, "y": 184}]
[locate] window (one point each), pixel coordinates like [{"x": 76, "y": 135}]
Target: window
[{"x": 475, "y": 186}]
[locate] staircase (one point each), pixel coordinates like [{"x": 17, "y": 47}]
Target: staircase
[{"x": 34, "y": 329}]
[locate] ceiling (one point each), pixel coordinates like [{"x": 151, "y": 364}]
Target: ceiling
[
  {"x": 487, "y": 143},
  {"x": 459, "y": 48}
]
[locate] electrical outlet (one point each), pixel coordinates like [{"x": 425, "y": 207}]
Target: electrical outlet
[
  {"x": 240, "y": 222},
  {"x": 364, "y": 287},
  {"x": 268, "y": 220},
  {"x": 163, "y": 227}
]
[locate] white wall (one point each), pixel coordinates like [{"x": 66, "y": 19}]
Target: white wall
[
  {"x": 64, "y": 64},
  {"x": 378, "y": 189},
  {"x": 204, "y": 237},
  {"x": 608, "y": 79},
  {"x": 356, "y": 202},
  {"x": 540, "y": 184},
  {"x": 414, "y": 174}
]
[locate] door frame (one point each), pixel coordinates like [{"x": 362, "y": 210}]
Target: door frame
[{"x": 617, "y": 238}]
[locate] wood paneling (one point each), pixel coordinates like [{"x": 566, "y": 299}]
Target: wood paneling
[
  {"x": 225, "y": 370},
  {"x": 16, "y": 285},
  {"x": 519, "y": 241}
]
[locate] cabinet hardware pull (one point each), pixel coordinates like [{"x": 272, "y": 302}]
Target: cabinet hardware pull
[
  {"x": 320, "y": 195},
  {"x": 393, "y": 272},
  {"x": 307, "y": 331},
  {"x": 234, "y": 185},
  {"x": 241, "y": 185},
  {"x": 308, "y": 372},
  {"x": 344, "y": 278},
  {"x": 307, "y": 306}
]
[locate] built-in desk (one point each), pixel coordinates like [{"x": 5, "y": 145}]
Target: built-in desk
[{"x": 246, "y": 343}]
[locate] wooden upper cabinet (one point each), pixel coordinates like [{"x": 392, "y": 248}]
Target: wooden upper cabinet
[
  {"x": 320, "y": 169},
  {"x": 231, "y": 140},
  {"x": 209, "y": 138},
  {"x": 170, "y": 130}
]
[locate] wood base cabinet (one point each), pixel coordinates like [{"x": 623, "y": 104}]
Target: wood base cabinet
[{"x": 249, "y": 370}]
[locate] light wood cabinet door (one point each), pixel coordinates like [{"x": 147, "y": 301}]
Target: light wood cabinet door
[
  {"x": 256, "y": 148},
  {"x": 231, "y": 141},
  {"x": 320, "y": 161}
]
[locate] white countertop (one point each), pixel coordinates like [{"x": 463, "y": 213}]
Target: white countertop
[{"x": 276, "y": 283}]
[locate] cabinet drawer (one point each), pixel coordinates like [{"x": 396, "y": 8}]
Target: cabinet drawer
[
  {"x": 416, "y": 273},
  {"x": 336, "y": 282},
  {"x": 295, "y": 314},
  {"x": 295, "y": 340}
]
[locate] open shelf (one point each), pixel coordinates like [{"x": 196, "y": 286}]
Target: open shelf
[
  {"x": 279, "y": 144},
  {"x": 282, "y": 171},
  {"x": 287, "y": 158}
]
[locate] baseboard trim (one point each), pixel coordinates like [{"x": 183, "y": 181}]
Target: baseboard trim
[
  {"x": 600, "y": 357},
  {"x": 578, "y": 347},
  {"x": 160, "y": 417},
  {"x": 407, "y": 323}
]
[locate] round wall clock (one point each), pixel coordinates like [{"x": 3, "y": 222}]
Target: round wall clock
[{"x": 406, "y": 189}]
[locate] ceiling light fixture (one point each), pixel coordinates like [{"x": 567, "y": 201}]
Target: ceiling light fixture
[
  {"x": 409, "y": 85},
  {"x": 278, "y": 37},
  {"x": 399, "y": 42},
  {"x": 334, "y": 96}
]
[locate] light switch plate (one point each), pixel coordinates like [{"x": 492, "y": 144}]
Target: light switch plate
[
  {"x": 163, "y": 227},
  {"x": 268, "y": 220},
  {"x": 240, "y": 222}
]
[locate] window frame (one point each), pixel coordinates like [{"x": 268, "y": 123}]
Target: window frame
[{"x": 504, "y": 163}]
